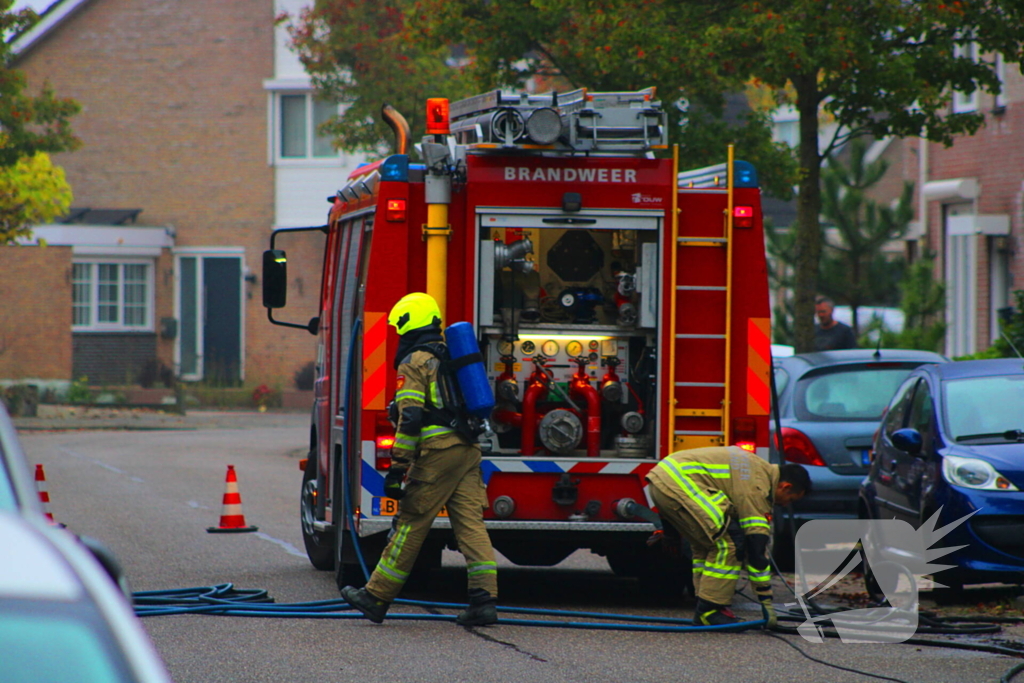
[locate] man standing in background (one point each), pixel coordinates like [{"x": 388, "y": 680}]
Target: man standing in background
[{"x": 829, "y": 333}]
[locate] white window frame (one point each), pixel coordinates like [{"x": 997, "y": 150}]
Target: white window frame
[
  {"x": 277, "y": 133},
  {"x": 786, "y": 125},
  {"x": 961, "y": 273},
  {"x": 94, "y": 324},
  {"x": 999, "y": 101},
  {"x": 963, "y": 102}
]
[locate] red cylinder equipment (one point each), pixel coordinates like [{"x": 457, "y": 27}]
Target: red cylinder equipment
[
  {"x": 536, "y": 390},
  {"x": 580, "y": 387}
]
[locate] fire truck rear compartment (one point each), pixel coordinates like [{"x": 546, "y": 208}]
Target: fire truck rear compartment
[{"x": 568, "y": 319}]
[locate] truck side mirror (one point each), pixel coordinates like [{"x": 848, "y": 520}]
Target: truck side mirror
[{"x": 275, "y": 278}]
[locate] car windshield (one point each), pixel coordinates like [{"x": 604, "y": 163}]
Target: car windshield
[
  {"x": 29, "y": 640},
  {"x": 984, "y": 406},
  {"x": 848, "y": 393}
]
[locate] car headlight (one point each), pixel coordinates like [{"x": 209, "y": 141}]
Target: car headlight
[{"x": 974, "y": 474}]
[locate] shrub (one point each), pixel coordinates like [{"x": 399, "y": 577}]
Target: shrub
[
  {"x": 305, "y": 376},
  {"x": 79, "y": 391},
  {"x": 155, "y": 371}
]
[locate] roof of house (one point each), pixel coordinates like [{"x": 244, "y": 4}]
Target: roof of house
[
  {"x": 87, "y": 216},
  {"x": 49, "y": 19}
]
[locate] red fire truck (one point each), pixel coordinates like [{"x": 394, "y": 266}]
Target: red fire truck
[{"x": 621, "y": 307}]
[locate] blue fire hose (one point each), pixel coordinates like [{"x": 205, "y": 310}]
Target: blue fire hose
[{"x": 226, "y": 600}]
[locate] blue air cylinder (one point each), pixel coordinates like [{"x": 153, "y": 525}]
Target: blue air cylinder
[{"x": 467, "y": 363}]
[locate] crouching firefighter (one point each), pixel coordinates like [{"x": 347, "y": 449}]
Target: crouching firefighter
[
  {"x": 720, "y": 500},
  {"x": 434, "y": 452}
]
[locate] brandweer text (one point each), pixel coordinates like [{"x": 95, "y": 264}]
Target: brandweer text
[{"x": 571, "y": 175}]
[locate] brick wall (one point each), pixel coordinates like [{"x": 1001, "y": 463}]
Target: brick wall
[
  {"x": 111, "y": 357},
  {"x": 35, "y": 312},
  {"x": 174, "y": 121},
  {"x": 995, "y": 157}
]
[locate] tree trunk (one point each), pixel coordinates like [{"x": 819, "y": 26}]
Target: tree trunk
[{"x": 808, "y": 208}]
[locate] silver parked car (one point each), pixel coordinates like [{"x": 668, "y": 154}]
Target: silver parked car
[
  {"x": 61, "y": 617},
  {"x": 830, "y": 403},
  {"x": 18, "y": 492}
]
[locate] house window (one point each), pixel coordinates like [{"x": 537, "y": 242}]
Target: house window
[
  {"x": 965, "y": 102},
  {"x": 299, "y": 117},
  {"x": 786, "y": 126},
  {"x": 112, "y": 296}
]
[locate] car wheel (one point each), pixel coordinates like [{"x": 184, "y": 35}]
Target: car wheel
[{"x": 319, "y": 544}]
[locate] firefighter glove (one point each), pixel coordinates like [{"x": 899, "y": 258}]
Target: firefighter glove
[
  {"x": 768, "y": 610},
  {"x": 393, "y": 483}
]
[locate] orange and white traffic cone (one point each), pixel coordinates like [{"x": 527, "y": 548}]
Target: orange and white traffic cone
[
  {"x": 231, "y": 518},
  {"x": 44, "y": 495}
]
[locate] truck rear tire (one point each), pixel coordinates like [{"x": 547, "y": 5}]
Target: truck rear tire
[
  {"x": 319, "y": 544},
  {"x": 670, "y": 578},
  {"x": 348, "y": 571}
]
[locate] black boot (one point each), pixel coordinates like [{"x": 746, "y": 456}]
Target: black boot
[
  {"x": 482, "y": 610},
  {"x": 363, "y": 600},
  {"x": 710, "y": 614}
]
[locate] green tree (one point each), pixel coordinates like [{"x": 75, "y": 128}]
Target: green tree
[
  {"x": 359, "y": 54},
  {"x": 404, "y": 51},
  {"x": 854, "y": 270},
  {"x": 923, "y": 302},
  {"x": 1010, "y": 342},
  {"x": 32, "y": 191},
  {"x": 781, "y": 248},
  {"x": 874, "y": 67},
  {"x": 31, "y": 188}
]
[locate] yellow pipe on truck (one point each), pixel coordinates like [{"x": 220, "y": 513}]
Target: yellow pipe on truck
[{"x": 436, "y": 233}]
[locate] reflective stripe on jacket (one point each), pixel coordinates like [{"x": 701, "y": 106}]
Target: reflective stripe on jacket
[{"x": 717, "y": 484}]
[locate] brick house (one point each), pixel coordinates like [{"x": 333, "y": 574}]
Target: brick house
[
  {"x": 971, "y": 213},
  {"x": 198, "y": 131}
]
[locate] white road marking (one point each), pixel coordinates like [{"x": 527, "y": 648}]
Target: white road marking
[
  {"x": 292, "y": 550},
  {"x": 102, "y": 464}
]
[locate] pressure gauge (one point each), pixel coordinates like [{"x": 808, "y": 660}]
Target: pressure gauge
[
  {"x": 568, "y": 299},
  {"x": 505, "y": 347},
  {"x": 574, "y": 348},
  {"x": 593, "y": 345},
  {"x": 528, "y": 347},
  {"x": 550, "y": 348}
]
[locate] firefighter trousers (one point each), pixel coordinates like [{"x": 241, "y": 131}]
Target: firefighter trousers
[
  {"x": 716, "y": 567},
  {"x": 447, "y": 477}
]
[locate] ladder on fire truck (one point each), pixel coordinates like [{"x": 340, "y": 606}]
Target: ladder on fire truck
[{"x": 699, "y": 396}]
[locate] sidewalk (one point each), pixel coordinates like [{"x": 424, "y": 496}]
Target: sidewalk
[{"x": 66, "y": 418}]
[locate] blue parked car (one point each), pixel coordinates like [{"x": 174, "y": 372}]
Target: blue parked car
[
  {"x": 953, "y": 438},
  {"x": 829, "y": 406}
]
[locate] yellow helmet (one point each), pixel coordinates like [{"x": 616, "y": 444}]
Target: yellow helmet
[{"x": 414, "y": 311}]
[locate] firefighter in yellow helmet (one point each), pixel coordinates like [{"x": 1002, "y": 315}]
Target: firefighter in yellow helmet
[
  {"x": 720, "y": 500},
  {"x": 441, "y": 467}
]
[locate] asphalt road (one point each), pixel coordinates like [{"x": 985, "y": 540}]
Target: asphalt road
[{"x": 150, "y": 495}]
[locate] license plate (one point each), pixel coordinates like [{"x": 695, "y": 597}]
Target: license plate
[{"x": 388, "y": 507}]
